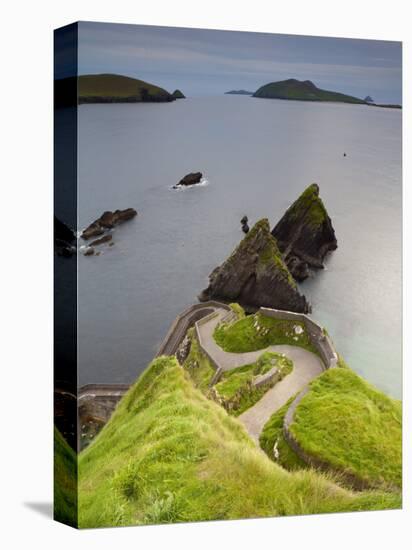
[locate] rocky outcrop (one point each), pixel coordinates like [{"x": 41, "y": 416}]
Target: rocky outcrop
[
  {"x": 64, "y": 239},
  {"x": 244, "y": 224},
  {"x": 190, "y": 179},
  {"x": 108, "y": 220},
  {"x": 255, "y": 275},
  {"x": 102, "y": 240},
  {"x": 305, "y": 234},
  {"x": 177, "y": 94}
]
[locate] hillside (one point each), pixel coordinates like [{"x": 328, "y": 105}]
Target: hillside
[
  {"x": 348, "y": 425},
  {"x": 108, "y": 88},
  {"x": 302, "y": 91},
  {"x": 169, "y": 454}
]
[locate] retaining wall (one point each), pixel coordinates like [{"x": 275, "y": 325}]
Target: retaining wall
[
  {"x": 319, "y": 339},
  {"x": 183, "y": 322}
]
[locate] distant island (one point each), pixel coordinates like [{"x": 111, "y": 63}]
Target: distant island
[
  {"x": 302, "y": 90},
  {"x": 108, "y": 88},
  {"x": 177, "y": 94},
  {"x": 239, "y": 92},
  {"x": 305, "y": 90}
]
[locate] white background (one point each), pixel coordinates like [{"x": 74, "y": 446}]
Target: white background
[{"x": 26, "y": 271}]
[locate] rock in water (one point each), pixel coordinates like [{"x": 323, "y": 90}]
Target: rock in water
[
  {"x": 108, "y": 220},
  {"x": 305, "y": 234},
  {"x": 255, "y": 275},
  {"x": 189, "y": 179}
]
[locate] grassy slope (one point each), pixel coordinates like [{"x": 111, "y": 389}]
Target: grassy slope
[
  {"x": 117, "y": 86},
  {"x": 245, "y": 335},
  {"x": 169, "y": 454},
  {"x": 198, "y": 366},
  {"x": 352, "y": 426},
  {"x": 303, "y": 91},
  {"x": 236, "y": 383},
  {"x": 272, "y": 434},
  {"x": 65, "y": 476}
]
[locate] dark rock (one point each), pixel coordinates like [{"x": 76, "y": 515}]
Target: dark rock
[
  {"x": 89, "y": 251},
  {"x": 244, "y": 220},
  {"x": 104, "y": 239},
  {"x": 298, "y": 268},
  {"x": 190, "y": 179},
  {"x": 305, "y": 234},
  {"x": 177, "y": 94},
  {"x": 108, "y": 220},
  {"x": 64, "y": 239},
  {"x": 245, "y": 227},
  {"x": 255, "y": 275}
]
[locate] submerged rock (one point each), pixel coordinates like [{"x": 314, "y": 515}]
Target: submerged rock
[
  {"x": 305, "y": 233},
  {"x": 102, "y": 240},
  {"x": 108, "y": 220},
  {"x": 255, "y": 275},
  {"x": 190, "y": 179}
]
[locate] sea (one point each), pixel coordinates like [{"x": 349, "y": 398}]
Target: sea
[{"x": 256, "y": 157}]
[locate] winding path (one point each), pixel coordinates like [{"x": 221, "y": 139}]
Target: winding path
[{"x": 306, "y": 367}]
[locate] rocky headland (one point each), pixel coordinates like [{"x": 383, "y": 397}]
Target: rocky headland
[
  {"x": 305, "y": 234},
  {"x": 255, "y": 275}
]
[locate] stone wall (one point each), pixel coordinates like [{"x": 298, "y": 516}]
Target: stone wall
[{"x": 317, "y": 335}]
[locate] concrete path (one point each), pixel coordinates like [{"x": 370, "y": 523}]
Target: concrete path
[{"x": 306, "y": 366}]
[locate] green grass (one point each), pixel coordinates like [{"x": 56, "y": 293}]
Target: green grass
[
  {"x": 272, "y": 434},
  {"x": 168, "y": 454},
  {"x": 352, "y": 426},
  {"x": 302, "y": 91},
  {"x": 235, "y": 387},
  {"x": 65, "y": 479},
  {"x": 197, "y": 365},
  {"x": 121, "y": 87},
  {"x": 257, "y": 331},
  {"x": 238, "y": 309}
]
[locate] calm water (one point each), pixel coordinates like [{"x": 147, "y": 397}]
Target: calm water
[{"x": 257, "y": 156}]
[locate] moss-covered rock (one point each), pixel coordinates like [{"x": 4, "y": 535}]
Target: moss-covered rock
[
  {"x": 255, "y": 275},
  {"x": 305, "y": 233}
]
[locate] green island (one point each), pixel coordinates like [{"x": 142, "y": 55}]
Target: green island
[
  {"x": 113, "y": 88},
  {"x": 302, "y": 90},
  {"x": 170, "y": 454}
]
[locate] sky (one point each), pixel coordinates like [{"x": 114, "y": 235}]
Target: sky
[{"x": 203, "y": 62}]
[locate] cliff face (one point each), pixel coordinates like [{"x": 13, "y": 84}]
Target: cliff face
[
  {"x": 255, "y": 275},
  {"x": 305, "y": 233}
]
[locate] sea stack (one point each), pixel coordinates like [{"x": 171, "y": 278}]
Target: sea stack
[
  {"x": 255, "y": 275},
  {"x": 305, "y": 234},
  {"x": 177, "y": 94}
]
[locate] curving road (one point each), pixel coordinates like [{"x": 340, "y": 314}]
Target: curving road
[{"x": 306, "y": 367}]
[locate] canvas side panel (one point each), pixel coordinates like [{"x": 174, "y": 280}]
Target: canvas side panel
[{"x": 65, "y": 274}]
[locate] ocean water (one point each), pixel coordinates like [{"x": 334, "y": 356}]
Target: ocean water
[{"x": 257, "y": 156}]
